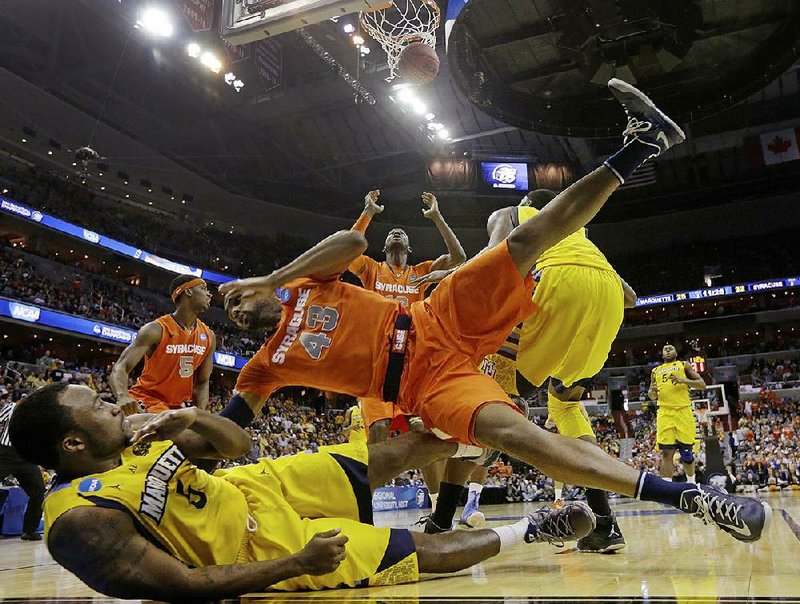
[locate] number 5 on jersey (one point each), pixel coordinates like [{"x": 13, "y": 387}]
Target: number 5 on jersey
[{"x": 315, "y": 342}]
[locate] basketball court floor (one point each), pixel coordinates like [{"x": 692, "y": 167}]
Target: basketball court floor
[{"x": 669, "y": 558}]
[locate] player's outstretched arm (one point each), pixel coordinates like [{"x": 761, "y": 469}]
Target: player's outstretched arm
[
  {"x": 147, "y": 339},
  {"x": 362, "y": 265},
  {"x": 455, "y": 252},
  {"x": 196, "y": 432},
  {"x": 102, "y": 548},
  {"x": 371, "y": 209},
  {"x": 329, "y": 257},
  {"x": 202, "y": 377}
]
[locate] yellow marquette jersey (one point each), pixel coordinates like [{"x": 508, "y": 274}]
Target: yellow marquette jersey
[
  {"x": 198, "y": 518},
  {"x": 669, "y": 394},
  {"x": 354, "y": 424},
  {"x": 574, "y": 249}
]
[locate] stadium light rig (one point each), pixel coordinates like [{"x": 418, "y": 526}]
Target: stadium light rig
[{"x": 155, "y": 21}]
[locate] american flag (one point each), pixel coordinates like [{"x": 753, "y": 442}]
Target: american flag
[{"x": 643, "y": 177}]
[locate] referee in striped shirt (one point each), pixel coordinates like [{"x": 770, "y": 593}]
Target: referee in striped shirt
[{"x": 28, "y": 475}]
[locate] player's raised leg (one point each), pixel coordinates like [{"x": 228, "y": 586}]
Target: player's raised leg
[
  {"x": 499, "y": 426},
  {"x": 649, "y": 134}
]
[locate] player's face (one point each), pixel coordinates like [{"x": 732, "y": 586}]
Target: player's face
[
  {"x": 252, "y": 312},
  {"x": 669, "y": 353},
  {"x": 201, "y": 298},
  {"x": 104, "y": 428},
  {"x": 397, "y": 240}
]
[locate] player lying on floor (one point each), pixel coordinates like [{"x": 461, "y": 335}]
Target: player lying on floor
[
  {"x": 132, "y": 517},
  {"x": 334, "y": 336}
]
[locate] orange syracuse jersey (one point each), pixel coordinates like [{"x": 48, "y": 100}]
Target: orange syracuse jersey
[
  {"x": 390, "y": 281},
  {"x": 332, "y": 336},
  {"x": 168, "y": 374}
]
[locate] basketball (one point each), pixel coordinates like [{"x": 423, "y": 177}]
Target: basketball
[{"x": 418, "y": 64}]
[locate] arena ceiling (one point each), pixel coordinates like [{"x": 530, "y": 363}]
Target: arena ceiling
[{"x": 305, "y": 142}]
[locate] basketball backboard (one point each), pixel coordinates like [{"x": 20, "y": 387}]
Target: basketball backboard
[{"x": 245, "y": 21}]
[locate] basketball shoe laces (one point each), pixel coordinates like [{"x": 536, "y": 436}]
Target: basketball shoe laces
[
  {"x": 550, "y": 526},
  {"x": 711, "y": 508},
  {"x": 635, "y": 127}
]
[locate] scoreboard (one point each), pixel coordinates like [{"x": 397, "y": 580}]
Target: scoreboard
[{"x": 719, "y": 292}]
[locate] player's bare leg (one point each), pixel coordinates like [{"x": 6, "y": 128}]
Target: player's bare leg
[
  {"x": 667, "y": 466},
  {"x": 607, "y": 537},
  {"x": 407, "y": 451},
  {"x": 457, "y": 550},
  {"x": 580, "y": 463},
  {"x": 456, "y": 472}
]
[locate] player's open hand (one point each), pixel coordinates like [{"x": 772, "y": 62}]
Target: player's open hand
[
  {"x": 431, "y": 205},
  {"x": 433, "y": 276},
  {"x": 166, "y": 426},
  {"x": 371, "y": 207},
  {"x": 242, "y": 289},
  {"x": 129, "y": 406},
  {"x": 323, "y": 554}
]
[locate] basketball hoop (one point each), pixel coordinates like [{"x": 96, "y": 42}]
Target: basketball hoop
[{"x": 401, "y": 23}]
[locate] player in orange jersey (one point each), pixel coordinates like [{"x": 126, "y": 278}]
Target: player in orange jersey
[
  {"x": 394, "y": 279},
  {"x": 178, "y": 352},
  {"x": 334, "y": 336}
]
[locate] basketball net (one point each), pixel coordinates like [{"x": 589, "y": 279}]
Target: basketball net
[{"x": 399, "y": 24}]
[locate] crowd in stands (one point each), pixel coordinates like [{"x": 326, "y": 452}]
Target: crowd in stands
[
  {"x": 207, "y": 245},
  {"x": 80, "y": 293},
  {"x": 761, "y": 454}
]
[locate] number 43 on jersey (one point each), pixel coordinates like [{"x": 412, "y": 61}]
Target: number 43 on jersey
[{"x": 325, "y": 318}]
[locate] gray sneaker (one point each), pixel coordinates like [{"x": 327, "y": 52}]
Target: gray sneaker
[
  {"x": 646, "y": 122},
  {"x": 569, "y": 523}
]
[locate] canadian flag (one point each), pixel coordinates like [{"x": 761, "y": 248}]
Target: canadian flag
[{"x": 774, "y": 147}]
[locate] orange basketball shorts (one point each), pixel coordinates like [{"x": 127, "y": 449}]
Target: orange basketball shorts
[
  {"x": 468, "y": 316},
  {"x": 375, "y": 410}
]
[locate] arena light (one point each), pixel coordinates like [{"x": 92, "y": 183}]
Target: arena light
[
  {"x": 443, "y": 134},
  {"x": 156, "y": 21},
  {"x": 348, "y": 28},
  {"x": 406, "y": 95},
  {"x": 365, "y": 50},
  {"x": 419, "y": 108},
  {"x": 430, "y": 116},
  {"x": 193, "y": 50},
  {"x": 435, "y": 126},
  {"x": 210, "y": 61},
  {"x": 229, "y": 78},
  {"x": 238, "y": 85},
  {"x": 358, "y": 39}
]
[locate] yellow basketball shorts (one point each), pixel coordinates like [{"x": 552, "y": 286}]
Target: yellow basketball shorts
[
  {"x": 293, "y": 498},
  {"x": 675, "y": 425},
  {"x": 569, "y": 418},
  {"x": 580, "y": 313}
]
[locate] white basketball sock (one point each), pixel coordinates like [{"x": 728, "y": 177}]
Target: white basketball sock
[{"x": 511, "y": 534}]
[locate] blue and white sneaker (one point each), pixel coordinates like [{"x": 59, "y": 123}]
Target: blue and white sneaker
[
  {"x": 471, "y": 516},
  {"x": 745, "y": 518},
  {"x": 569, "y": 523},
  {"x": 646, "y": 122}
]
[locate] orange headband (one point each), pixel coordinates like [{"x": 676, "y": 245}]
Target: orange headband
[{"x": 188, "y": 285}]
